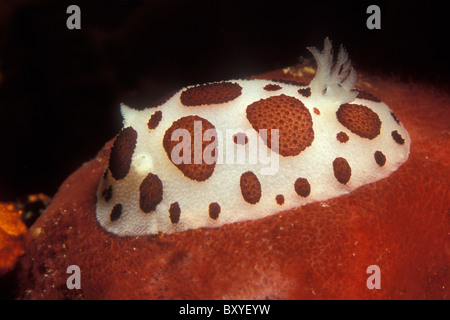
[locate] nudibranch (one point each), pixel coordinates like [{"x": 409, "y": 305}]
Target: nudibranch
[{"x": 231, "y": 151}]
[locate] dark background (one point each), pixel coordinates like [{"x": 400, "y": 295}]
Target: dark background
[{"x": 60, "y": 89}]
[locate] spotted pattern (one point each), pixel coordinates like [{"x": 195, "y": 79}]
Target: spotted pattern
[
  {"x": 306, "y": 92},
  {"x": 122, "y": 153},
  {"x": 107, "y": 193},
  {"x": 195, "y": 168},
  {"x": 380, "y": 158},
  {"x": 342, "y": 137},
  {"x": 395, "y": 118},
  {"x": 154, "y": 120},
  {"x": 342, "y": 170},
  {"x": 302, "y": 187},
  {"x": 150, "y": 193},
  {"x": 116, "y": 212},
  {"x": 279, "y": 199},
  {"x": 210, "y": 93},
  {"x": 397, "y": 137},
  {"x": 174, "y": 212},
  {"x": 214, "y": 210},
  {"x": 250, "y": 187},
  {"x": 272, "y": 87},
  {"x": 367, "y": 96},
  {"x": 360, "y": 120},
  {"x": 287, "y": 114}
]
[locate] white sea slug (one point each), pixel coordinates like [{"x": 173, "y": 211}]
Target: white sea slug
[{"x": 232, "y": 151}]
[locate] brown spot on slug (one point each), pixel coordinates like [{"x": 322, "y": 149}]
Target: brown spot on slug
[
  {"x": 380, "y": 158},
  {"x": 154, "y": 120},
  {"x": 279, "y": 199},
  {"x": 302, "y": 187},
  {"x": 342, "y": 170},
  {"x": 116, "y": 212},
  {"x": 122, "y": 152},
  {"x": 250, "y": 187},
  {"x": 272, "y": 87},
  {"x": 174, "y": 212},
  {"x": 210, "y": 93},
  {"x": 198, "y": 170},
  {"x": 342, "y": 137},
  {"x": 395, "y": 118},
  {"x": 214, "y": 210},
  {"x": 289, "y": 116},
  {"x": 150, "y": 193},
  {"x": 107, "y": 193},
  {"x": 397, "y": 137},
  {"x": 360, "y": 120},
  {"x": 306, "y": 92}
]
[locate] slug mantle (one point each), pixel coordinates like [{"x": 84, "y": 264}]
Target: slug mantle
[{"x": 231, "y": 151}]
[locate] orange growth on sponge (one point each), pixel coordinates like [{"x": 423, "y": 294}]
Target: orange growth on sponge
[{"x": 12, "y": 231}]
